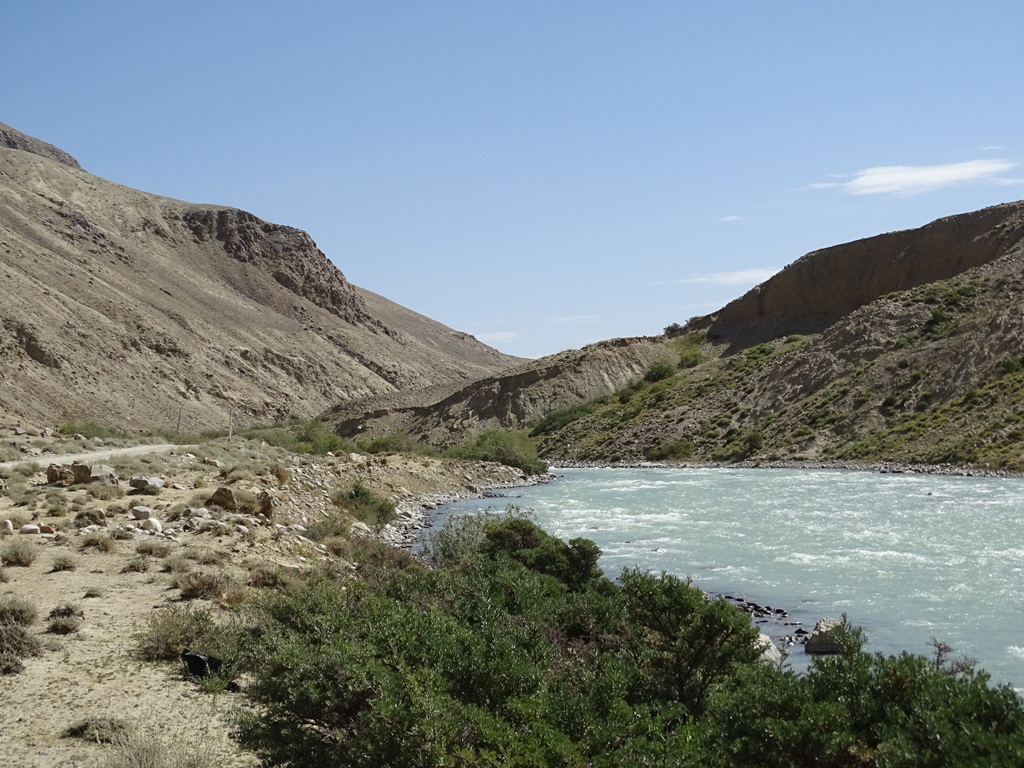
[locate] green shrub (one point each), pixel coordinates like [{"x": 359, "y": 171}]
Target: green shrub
[
  {"x": 514, "y": 449},
  {"x": 513, "y": 653},
  {"x": 362, "y": 504},
  {"x": 171, "y": 629},
  {"x": 555, "y": 420},
  {"x": 690, "y": 359},
  {"x": 90, "y": 429},
  {"x": 659, "y": 371},
  {"x": 683, "y": 448}
]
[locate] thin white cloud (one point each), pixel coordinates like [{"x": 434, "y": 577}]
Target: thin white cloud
[
  {"x": 578, "y": 319},
  {"x": 497, "y": 337},
  {"x": 916, "y": 180},
  {"x": 991, "y": 148},
  {"x": 730, "y": 218},
  {"x": 739, "y": 277}
]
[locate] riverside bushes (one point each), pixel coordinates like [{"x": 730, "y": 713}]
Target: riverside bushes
[
  {"x": 516, "y": 651},
  {"x": 513, "y": 449}
]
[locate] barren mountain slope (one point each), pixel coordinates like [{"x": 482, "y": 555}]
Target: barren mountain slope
[{"x": 123, "y": 306}]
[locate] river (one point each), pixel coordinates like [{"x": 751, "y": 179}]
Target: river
[{"x": 908, "y": 557}]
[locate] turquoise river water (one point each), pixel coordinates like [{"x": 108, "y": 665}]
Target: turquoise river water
[{"x": 908, "y": 557}]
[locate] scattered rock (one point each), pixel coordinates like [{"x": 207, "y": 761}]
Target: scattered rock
[
  {"x": 224, "y": 498},
  {"x": 141, "y": 513},
  {"x": 29, "y": 528},
  {"x": 94, "y": 473},
  {"x": 146, "y": 484},
  {"x": 60, "y": 474},
  {"x": 826, "y": 637},
  {"x": 151, "y": 524},
  {"x": 7, "y": 525},
  {"x": 770, "y": 653},
  {"x": 43, "y": 528}
]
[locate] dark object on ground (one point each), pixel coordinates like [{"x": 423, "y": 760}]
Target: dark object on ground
[{"x": 199, "y": 664}]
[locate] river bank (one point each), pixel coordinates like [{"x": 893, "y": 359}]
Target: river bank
[{"x": 885, "y": 468}]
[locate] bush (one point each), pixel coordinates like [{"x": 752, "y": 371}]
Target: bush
[
  {"x": 98, "y": 729},
  {"x": 659, "y": 371},
  {"x": 100, "y": 542},
  {"x": 63, "y": 562},
  {"x": 362, "y": 504},
  {"x": 690, "y": 359},
  {"x": 555, "y": 420},
  {"x": 19, "y": 552},
  {"x": 513, "y": 449},
  {"x": 202, "y": 584},
  {"x": 17, "y": 610},
  {"x": 683, "y": 448},
  {"x": 171, "y": 629}
]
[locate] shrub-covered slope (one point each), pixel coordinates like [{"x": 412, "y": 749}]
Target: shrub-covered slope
[{"x": 934, "y": 374}]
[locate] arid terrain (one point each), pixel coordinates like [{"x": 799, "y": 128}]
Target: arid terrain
[
  {"x": 94, "y": 555},
  {"x": 135, "y": 309}
]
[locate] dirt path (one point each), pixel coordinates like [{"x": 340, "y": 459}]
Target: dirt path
[{"x": 93, "y": 457}]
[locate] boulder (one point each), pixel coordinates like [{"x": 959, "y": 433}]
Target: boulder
[
  {"x": 7, "y": 526},
  {"x": 60, "y": 473},
  {"x": 265, "y": 504},
  {"x": 151, "y": 524},
  {"x": 224, "y": 498},
  {"x": 141, "y": 513},
  {"x": 29, "y": 528},
  {"x": 146, "y": 483},
  {"x": 94, "y": 473},
  {"x": 770, "y": 653},
  {"x": 44, "y": 528},
  {"x": 826, "y": 637}
]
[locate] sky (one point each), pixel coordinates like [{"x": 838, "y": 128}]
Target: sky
[{"x": 541, "y": 175}]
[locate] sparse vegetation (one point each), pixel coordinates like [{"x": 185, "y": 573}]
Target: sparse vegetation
[
  {"x": 63, "y": 562},
  {"x": 98, "y": 542},
  {"x": 514, "y": 449},
  {"x": 98, "y": 729},
  {"x": 362, "y": 504},
  {"x": 19, "y": 552}
]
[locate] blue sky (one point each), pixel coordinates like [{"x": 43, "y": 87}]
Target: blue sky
[{"x": 539, "y": 174}]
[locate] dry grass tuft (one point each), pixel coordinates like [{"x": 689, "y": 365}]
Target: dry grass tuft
[{"x": 19, "y": 552}]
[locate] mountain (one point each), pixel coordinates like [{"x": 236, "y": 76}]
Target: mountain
[
  {"x": 906, "y": 347},
  {"x": 130, "y": 308}
]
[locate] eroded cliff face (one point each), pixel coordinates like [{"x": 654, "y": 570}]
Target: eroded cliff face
[
  {"x": 287, "y": 254},
  {"x": 823, "y": 286}
]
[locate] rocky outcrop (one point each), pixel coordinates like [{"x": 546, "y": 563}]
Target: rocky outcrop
[
  {"x": 14, "y": 139},
  {"x": 816, "y": 290},
  {"x": 287, "y": 254},
  {"x": 827, "y": 637}
]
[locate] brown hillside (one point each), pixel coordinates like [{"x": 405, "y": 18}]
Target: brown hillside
[
  {"x": 127, "y": 307},
  {"x": 819, "y": 288}
]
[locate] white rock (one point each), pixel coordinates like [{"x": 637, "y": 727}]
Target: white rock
[
  {"x": 141, "y": 513},
  {"x": 151, "y": 524},
  {"x": 29, "y": 528},
  {"x": 6, "y": 525}
]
